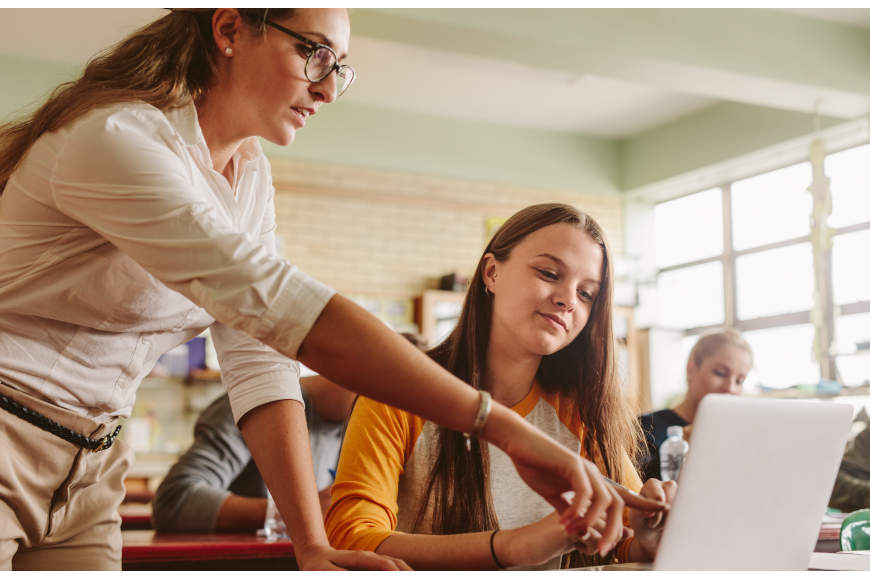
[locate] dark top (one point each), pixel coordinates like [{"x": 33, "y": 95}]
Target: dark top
[
  {"x": 219, "y": 463},
  {"x": 655, "y": 430}
]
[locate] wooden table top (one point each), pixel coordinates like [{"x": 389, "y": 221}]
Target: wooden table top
[{"x": 148, "y": 546}]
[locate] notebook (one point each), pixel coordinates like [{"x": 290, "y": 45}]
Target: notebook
[{"x": 755, "y": 484}]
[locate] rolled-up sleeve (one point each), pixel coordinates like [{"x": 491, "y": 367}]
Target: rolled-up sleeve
[{"x": 253, "y": 373}]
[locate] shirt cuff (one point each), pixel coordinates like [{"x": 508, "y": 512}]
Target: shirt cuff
[
  {"x": 295, "y": 311},
  {"x": 263, "y": 389}
]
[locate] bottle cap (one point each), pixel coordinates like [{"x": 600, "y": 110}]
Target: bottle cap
[{"x": 675, "y": 431}]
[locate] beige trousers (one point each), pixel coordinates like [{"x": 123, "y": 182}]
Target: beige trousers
[{"x": 58, "y": 502}]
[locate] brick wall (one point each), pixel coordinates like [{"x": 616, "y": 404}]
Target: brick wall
[{"x": 372, "y": 232}]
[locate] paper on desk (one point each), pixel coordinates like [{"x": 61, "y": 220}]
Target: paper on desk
[{"x": 855, "y": 560}]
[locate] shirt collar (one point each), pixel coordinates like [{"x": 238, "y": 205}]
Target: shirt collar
[{"x": 186, "y": 123}]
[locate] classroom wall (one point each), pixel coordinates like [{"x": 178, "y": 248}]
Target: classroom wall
[{"x": 368, "y": 231}]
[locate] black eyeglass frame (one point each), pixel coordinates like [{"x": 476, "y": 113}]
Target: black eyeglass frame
[{"x": 338, "y": 68}]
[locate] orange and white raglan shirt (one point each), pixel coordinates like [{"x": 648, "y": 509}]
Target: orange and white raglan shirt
[{"x": 387, "y": 456}]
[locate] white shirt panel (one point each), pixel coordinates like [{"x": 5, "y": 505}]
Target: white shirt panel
[{"x": 118, "y": 241}]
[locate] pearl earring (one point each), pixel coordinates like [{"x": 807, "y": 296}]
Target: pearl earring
[{"x": 228, "y": 51}]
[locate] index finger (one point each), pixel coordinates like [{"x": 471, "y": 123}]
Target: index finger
[{"x": 633, "y": 500}]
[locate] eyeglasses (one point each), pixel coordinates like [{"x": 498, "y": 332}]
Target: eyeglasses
[{"x": 321, "y": 61}]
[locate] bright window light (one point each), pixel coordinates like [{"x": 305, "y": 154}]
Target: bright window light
[
  {"x": 783, "y": 356},
  {"x": 690, "y": 297},
  {"x": 771, "y": 207},
  {"x": 850, "y": 186},
  {"x": 688, "y": 228},
  {"x": 775, "y": 281},
  {"x": 853, "y": 343},
  {"x": 849, "y": 267}
]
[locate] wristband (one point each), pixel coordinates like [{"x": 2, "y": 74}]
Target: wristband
[{"x": 498, "y": 564}]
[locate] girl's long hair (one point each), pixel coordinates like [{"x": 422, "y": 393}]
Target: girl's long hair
[
  {"x": 583, "y": 373},
  {"x": 165, "y": 64}
]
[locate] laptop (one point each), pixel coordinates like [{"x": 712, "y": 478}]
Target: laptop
[{"x": 755, "y": 484}]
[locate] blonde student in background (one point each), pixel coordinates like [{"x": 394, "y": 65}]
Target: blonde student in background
[
  {"x": 718, "y": 363},
  {"x": 137, "y": 210},
  {"x": 535, "y": 334}
]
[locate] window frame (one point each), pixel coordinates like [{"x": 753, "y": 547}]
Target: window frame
[{"x": 822, "y": 271}]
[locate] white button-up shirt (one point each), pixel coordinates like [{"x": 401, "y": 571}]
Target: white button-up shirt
[{"x": 119, "y": 241}]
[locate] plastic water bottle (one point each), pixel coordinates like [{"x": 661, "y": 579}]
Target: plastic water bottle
[
  {"x": 672, "y": 453},
  {"x": 274, "y": 527}
]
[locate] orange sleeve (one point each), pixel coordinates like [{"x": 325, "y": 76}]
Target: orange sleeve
[{"x": 379, "y": 439}]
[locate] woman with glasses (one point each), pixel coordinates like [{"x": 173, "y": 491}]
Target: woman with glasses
[{"x": 136, "y": 211}]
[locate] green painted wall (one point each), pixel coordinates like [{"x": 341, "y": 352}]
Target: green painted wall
[
  {"x": 362, "y": 135},
  {"x": 25, "y": 83},
  {"x": 710, "y": 136}
]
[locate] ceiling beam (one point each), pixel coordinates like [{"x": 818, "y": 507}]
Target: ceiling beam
[{"x": 760, "y": 57}]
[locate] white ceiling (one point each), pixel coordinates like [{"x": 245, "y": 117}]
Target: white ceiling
[
  {"x": 413, "y": 77},
  {"x": 450, "y": 84}
]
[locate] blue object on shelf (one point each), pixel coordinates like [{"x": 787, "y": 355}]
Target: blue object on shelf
[
  {"x": 196, "y": 353},
  {"x": 829, "y": 387}
]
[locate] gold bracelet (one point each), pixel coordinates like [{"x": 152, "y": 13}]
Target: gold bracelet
[{"x": 480, "y": 419}]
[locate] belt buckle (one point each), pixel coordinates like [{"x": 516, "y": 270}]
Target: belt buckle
[{"x": 106, "y": 441}]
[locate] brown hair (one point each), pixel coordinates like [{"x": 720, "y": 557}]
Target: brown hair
[
  {"x": 712, "y": 340},
  {"x": 164, "y": 64},
  {"x": 584, "y": 372}
]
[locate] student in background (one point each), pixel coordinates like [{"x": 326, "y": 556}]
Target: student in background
[
  {"x": 137, "y": 210},
  {"x": 534, "y": 333},
  {"x": 216, "y": 486},
  {"x": 718, "y": 363}
]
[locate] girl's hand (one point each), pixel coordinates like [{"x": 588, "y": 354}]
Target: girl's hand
[
  {"x": 544, "y": 540},
  {"x": 648, "y": 525},
  {"x": 554, "y": 472},
  {"x": 588, "y": 543},
  {"x": 533, "y": 544}
]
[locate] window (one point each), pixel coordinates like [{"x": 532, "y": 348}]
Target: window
[
  {"x": 771, "y": 207},
  {"x": 775, "y": 282},
  {"x": 783, "y": 356},
  {"x": 752, "y": 267},
  {"x": 849, "y": 267},
  {"x": 697, "y": 221},
  {"x": 853, "y": 348},
  {"x": 850, "y": 186},
  {"x": 691, "y": 296}
]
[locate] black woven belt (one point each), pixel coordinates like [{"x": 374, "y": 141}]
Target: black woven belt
[{"x": 56, "y": 428}]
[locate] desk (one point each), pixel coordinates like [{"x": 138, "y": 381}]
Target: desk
[
  {"x": 150, "y": 550},
  {"x": 135, "y": 516}
]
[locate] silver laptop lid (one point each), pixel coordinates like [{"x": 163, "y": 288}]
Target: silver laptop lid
[{"x": 755, "y": 484}]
